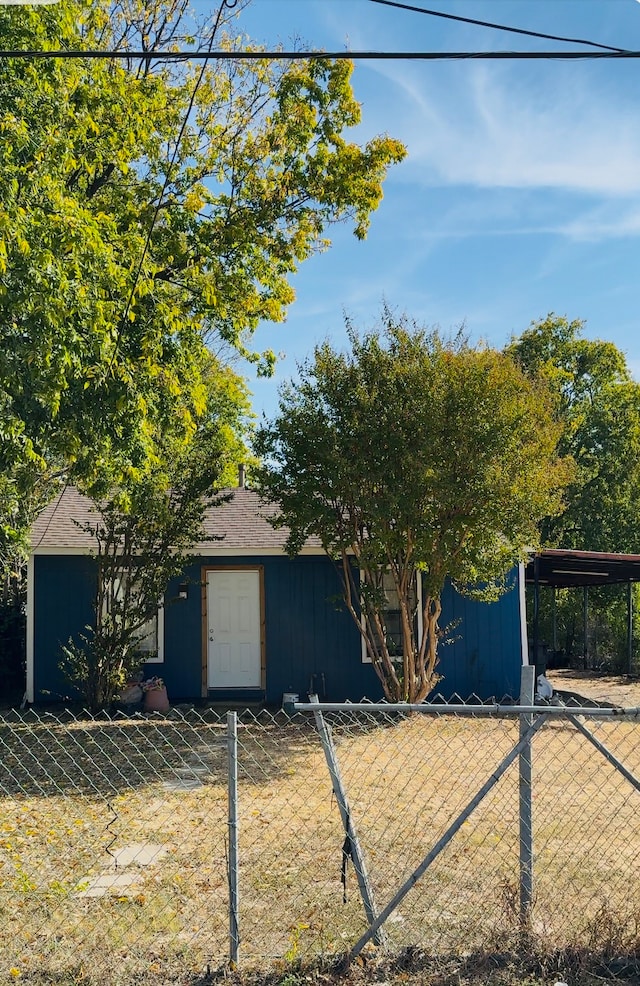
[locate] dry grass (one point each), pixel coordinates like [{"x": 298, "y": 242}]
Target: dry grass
[{"x": 75, "y": 793}]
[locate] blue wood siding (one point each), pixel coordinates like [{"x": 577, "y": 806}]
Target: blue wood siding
[
  {"x": 306, "y": 635},
  {"x": 64, "y": 593},
  {"x": 310, "y": 639},
  {"x": 486, "y": 654}
]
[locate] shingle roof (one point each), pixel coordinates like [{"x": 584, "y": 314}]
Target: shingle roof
[
  {"x": 60, "y": 523},
  {"x": 241, "y": 523}
]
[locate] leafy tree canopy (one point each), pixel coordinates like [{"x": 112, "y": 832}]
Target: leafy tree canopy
[
  {"x": 144, "y": 531},
  {"x": 412, "y": 453},
  {"x": 143, "y": 218},
  {"x": 599, "y": 408}
]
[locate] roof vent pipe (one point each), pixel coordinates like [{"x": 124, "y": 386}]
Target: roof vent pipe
[{"x": 241, "y": 476}]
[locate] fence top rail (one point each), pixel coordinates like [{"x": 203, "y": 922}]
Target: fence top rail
[{"x": 494, "y": 709}]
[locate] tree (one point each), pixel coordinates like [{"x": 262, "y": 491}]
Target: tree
[
  {"x": 599, "y": 408},
  {"x": 412, "y": 456},
  {"x": 149, "y": 210},
  {"x": 144, "y": 532}
]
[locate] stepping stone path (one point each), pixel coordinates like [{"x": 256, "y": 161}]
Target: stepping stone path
[
  {"x": 138, "y": 854},
  {"x": 187, "y": 778},
  {"x": 143, "y": 854}
]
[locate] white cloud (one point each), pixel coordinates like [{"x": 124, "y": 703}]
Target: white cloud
[
  {"x": 492, "y": 126},
  {"x": 612, "y": 220},
  {"x": 604, "y": 223}
]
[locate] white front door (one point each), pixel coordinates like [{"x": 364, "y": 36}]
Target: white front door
[{"x": 233, "y": 629}]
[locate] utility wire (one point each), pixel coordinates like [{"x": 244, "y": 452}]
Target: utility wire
[
  {"x": 51, "y": 516},
  {"x": 430, "y": 56},
  {"x": 496, "y": 27}
]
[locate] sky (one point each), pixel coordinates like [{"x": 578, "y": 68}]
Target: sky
[{"x": 520, "y": 192}]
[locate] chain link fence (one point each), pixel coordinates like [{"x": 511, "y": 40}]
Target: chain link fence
[
  {"x": 112, "y": 844},
  {"x": 116, "y": 859}
]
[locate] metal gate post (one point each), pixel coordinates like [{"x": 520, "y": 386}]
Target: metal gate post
[
  {"x": 366, "y": 891},
  {"x": 232, "y": 748},
  {"x": 527, "y": 689}
]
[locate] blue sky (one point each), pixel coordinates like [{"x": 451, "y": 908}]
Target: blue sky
[{"x": 520, "y": 194}]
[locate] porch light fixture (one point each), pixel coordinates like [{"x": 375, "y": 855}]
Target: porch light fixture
[{"x": 183, "y": 590}]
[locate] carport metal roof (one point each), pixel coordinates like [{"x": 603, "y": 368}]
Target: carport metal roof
[{"x": 562, "y": 569}]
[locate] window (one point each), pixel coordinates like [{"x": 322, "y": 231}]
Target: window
[
  {"x": 150, "y": 636},
  {"x": 392, "y": 617}
]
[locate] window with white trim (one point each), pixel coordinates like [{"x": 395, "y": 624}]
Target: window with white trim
[
  {"x": 150, "y": 636},
  {"x": 392, "y": 617}
]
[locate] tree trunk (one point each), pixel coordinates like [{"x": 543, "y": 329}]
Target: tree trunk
[{"x": 427, "y": 656}]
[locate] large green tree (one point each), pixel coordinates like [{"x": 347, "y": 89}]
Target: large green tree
[
  {"x": 148, "y": 210},
  {"x": 412, "y": 456},
  {"x": 143, "y": 531},
  {"x": 599, "y": 409}
]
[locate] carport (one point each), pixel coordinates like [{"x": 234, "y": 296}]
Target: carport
[{"x": 556, "y": 568}]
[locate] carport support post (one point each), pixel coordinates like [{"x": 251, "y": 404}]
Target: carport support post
[
  {"x": 629, "y": 629},
  {"x": 366, "y": 891},
  {"x": 536, "y": 610},
  {"x": 527, "y": 690},
  {"x": 585, "y": 625},
  {"x": 232, "y": 747}
]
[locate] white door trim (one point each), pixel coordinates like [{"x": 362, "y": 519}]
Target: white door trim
[{"x": 206, "y": 569}]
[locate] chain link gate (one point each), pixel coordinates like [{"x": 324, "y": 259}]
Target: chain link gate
[
  {"x": 495, "y": 804},
  {"x": 531, "y": 718}
]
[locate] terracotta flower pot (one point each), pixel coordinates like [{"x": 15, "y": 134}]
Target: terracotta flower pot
[{"x": 156, "y": 700}]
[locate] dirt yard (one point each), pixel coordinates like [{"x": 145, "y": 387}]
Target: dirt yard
[
  {"x": 605, "y": 689},
  {"x": 114, "y": 842}
]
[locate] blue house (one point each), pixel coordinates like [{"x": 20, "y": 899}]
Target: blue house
[{"x": 247, "y": 623}]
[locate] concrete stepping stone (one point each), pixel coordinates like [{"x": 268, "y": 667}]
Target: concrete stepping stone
[
  {"x": 139, "y": 854},
  {"x": 122, "y": 883}
]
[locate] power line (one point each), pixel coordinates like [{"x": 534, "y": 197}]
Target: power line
[
  {"x": 51, "y": 516},
  {"x": 496, "y": 27},
  {"x": 430, "y": 56}
]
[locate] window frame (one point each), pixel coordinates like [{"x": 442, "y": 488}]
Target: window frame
[
  {"x": 365, "y": 659},
  {"x": 155, "y": 656},
  {"x": 158, "y": 657}
]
